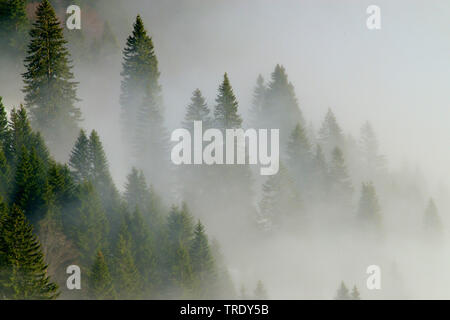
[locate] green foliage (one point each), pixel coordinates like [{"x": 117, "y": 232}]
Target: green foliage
[
  {"x": 197, "y": 110},
  {"x": 23, "y": 272},
  {"x": 13, "y": 27},
  {"x": 100, "y": 281},
  {"x": 355, "y": 294},
  {"x": 281, "y": 200},
  {"x": 432, "y": 221},
  {"x": 280, "y": 109},
  {"x": 341, "y": 185},
  {"x": 50, "y": 92},
  {"x": 203, "y": 266},
  {"x": 342, "y": 293},
  {"x": 330, "y": 133},
  {"x": 80, "y": 158},
  {"x": 257, "y": 119},
  {"x": 260, "y": 291},
  {"x": 88, "y": 224},
  {"x": 369, "y": 208},
  {"x": 126, "y": 275},
  {"x": 139, "y": 77},
  {"x": 225, "y": 111}
]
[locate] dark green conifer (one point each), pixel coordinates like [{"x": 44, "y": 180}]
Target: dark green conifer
[{"x": 50, "y": 92}]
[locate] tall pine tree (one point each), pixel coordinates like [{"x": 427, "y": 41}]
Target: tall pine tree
[
  {"x": 23, "y": 272},
  {"x": 50, "y": 91}
]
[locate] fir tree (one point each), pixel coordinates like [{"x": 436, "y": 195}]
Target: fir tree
[
  {"x": 127, "y": 279},
  {"x": 203, "y": 267},
  {"x": 355, "y": 294},
  {"x": 138, "y": 195},
  {"x": 340, "y": 181},
  {"x": 179, "y": 225},
  {"x": 432, "y": 221},
  {"x": 13, "y": 26},
  {"x": 80, "y": 158},
  {"x": 197, "y": 110},
  {"x": 50, "y": 92},
  {"x": 256, "y": 112},
  {"x": 151, "y": 143},
  {"x": 139, "y": 77},
  {"x": 374, "y": 163},
  {"x": 23, "y": 136},
  {"x": 342, "y": 293},
  {"x": 280, "y": 106},
  {"x": 5, "y": 132},
  {"x": 23, "y": 272},
  {"x": 143, "y": 249},
  {"x": 330, "y": 133},
  {"x": 225, "y": 287},
  {"x": 5, "y": 176},
  {"x": 102, "y": 181},
  {"x": 281, "y": 200},
  {"x": 181, "y": 276},
  {"x": 226, "y": 110},
  {"x": 88, "y": 224},
  {"x": 369, "y": 208},
  {"x": 100, "y": 281},
  {"x": 136, "y": 190},
  {"x": 300, "y": 158},
  {"x": 320, "y": 173},
  {"x": 30, "y": 184},
  {"x": 260, "y": 291}
]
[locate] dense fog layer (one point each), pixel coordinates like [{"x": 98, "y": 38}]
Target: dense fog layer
[{"x": 396, "y": 78}]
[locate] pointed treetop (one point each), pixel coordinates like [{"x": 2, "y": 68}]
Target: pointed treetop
[{"x": 225, "y": 112}]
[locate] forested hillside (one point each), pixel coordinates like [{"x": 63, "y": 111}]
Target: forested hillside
[{"x": 190, "y": 231}]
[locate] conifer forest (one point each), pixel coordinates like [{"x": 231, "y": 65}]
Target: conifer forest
[{"x": 118, "y": 179}]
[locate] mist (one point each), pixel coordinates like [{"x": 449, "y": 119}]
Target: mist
[{"x": 396, "y": 78}]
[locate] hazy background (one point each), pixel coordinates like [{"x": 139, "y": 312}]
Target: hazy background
[{"x": 396, "y": 77}]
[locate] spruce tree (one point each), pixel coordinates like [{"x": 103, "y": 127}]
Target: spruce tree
[
  {"x": 50, "y": 92},
  {"x": 341, "y": 185},
  {"x": 23, "y": 272},
  {"x": 320, "y": 173},
  {"x": 225, "y": 287},
  {"x": 100, "y": 281},
  {"x": 236, "y": 181},
  {"x": 280, "y": 107},
  {"x": 151, "y": 142},
  {"x": 5, "y": 132},
  {"x": 281, "y": 201},
  {"x": 203, "y": 266},
  {"x": 87, "y": 223},
  {"x": 432, "y": 221},
  {"x": 23, "y": 136},
  {"x": 355, "y": 294},
  {"x": 226, "y": 110},
  {"x": 257, "y": 117},
  {"x": 139, "y": 77},
  {"x": 136, "y": 190},
  {"x": 127, "y": 279},
  {"x": 342, "y": 293},
  {"x": 30, "y": 184},
  {"x": 143, "y": 248},
  {"x": 101, "y": 179},
  {"x": 369, "y": 208},
  {"x": 197, "y": 110},
  {"x": 300, "y": 158},
  {"x": 80, "y": 158},
  {"x": 330, "y": 133},
  {"x": 138, "y": 195},
  {"x": 13, "y": 27},
  {"x": 373, "y": 162},
  {"x": 260, "y": 291}
]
